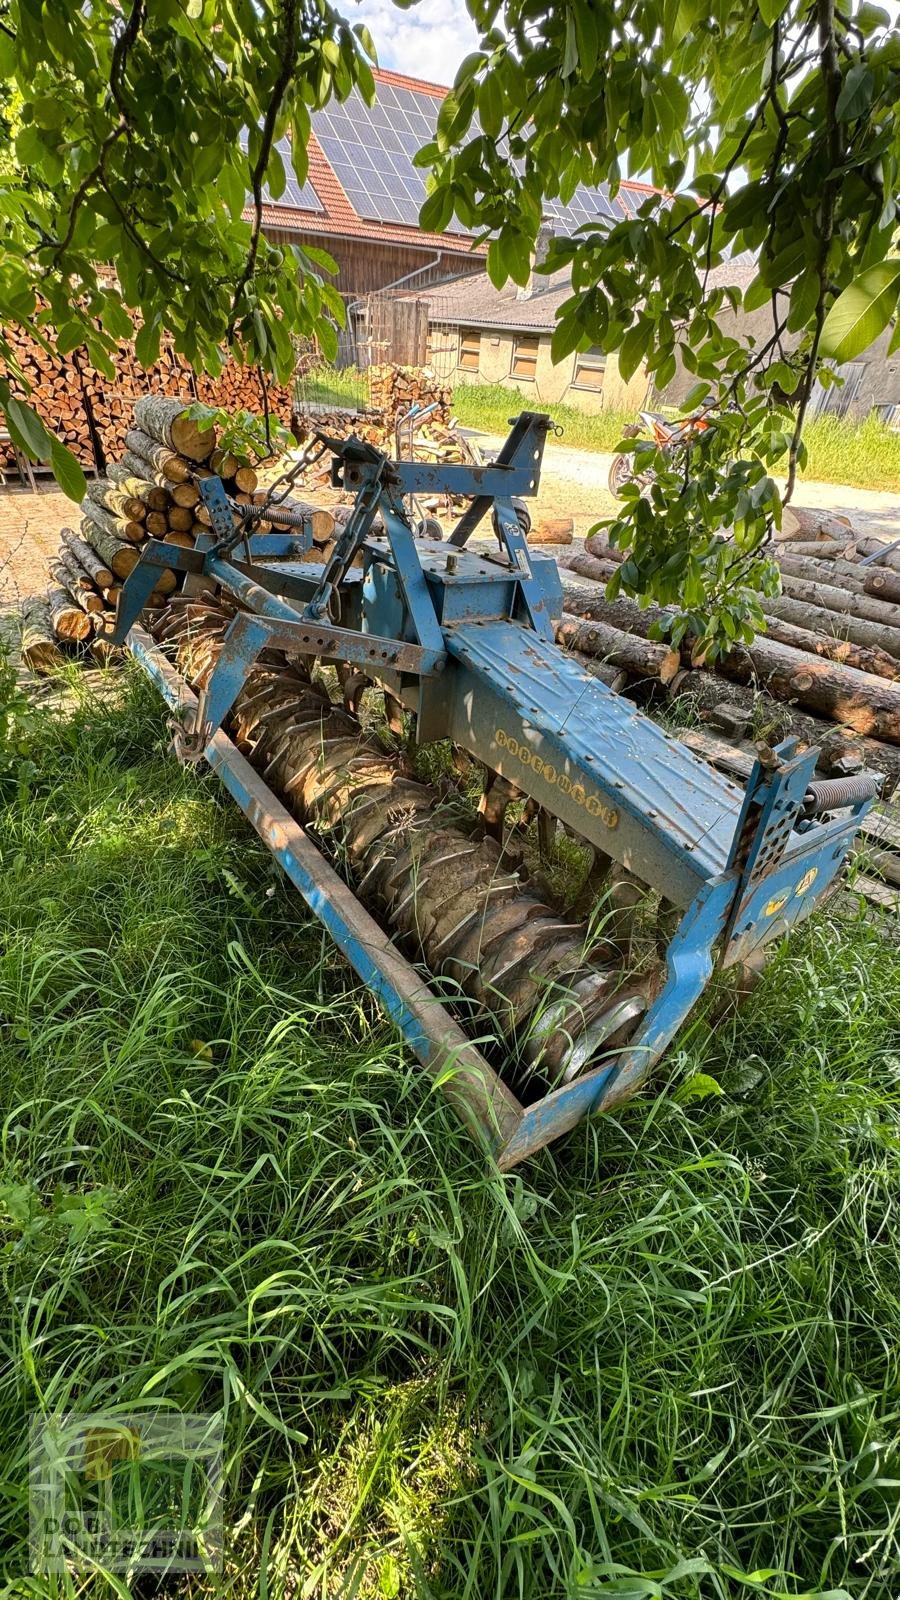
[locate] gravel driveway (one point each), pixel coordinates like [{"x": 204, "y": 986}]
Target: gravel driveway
[{"x": 574, "y": 482}]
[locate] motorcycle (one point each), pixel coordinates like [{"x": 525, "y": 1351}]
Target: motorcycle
[{"x": 667, "y": 436}]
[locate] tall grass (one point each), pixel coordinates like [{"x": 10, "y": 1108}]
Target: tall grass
[
  {"x": 489, "y": 407},
  {"x": 662, "y": 1360}
]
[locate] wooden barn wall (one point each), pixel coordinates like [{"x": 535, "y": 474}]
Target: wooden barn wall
[{"x": 365, "y": 265}]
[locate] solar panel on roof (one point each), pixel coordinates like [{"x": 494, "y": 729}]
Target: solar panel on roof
[{"x": 301, "y": 196}]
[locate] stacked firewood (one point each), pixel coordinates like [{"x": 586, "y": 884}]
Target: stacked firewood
[
  {"x": 394, "y": 390},
  {"x": 152, "y": 492},
  {"x": 827, "y": 668},
  {"x": 91, "y": 413}
]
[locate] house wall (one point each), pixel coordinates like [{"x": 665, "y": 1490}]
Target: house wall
[
  {"x": 551, "y": 384},
  {"x": 368, "y": 264},
  {"x": 870, "y": 383}
]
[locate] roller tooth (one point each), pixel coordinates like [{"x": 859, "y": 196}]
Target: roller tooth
[{"x": 450, "y": 895}]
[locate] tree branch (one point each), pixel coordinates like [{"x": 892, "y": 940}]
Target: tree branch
[{"x": 279, "y": 89}]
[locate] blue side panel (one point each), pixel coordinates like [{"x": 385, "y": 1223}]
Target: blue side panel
[{"x": 528, "y": 710}]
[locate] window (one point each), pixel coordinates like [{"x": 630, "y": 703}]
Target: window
[
  {"x": 524, "y": 356},
  {"x": 469, "y": 350},
  {"x": 590, "y": 366}
]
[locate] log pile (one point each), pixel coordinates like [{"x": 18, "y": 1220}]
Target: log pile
[
  {"x": 394, "y": 390},
  {"x": 91, "y": 413},
  {"x": 827, "y": 669},
  {"x": 151, "y": 493}
]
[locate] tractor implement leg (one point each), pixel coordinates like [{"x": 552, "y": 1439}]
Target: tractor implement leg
[{"x": 483, "y": 1102}]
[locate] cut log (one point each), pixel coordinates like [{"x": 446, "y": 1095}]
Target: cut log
[
  {"x": 886, "y": 557},
  {"x": 832, "y": 624},
  {"x": 121, "y": 558},
  {"x": 157, "y": 525},
  {"x": 164, "y": 420},
  {"x": 70, "y": 577},
  {"x": 168, "y": 463},
  {"x": 644, "y": 657},
  {"x": 185, "y": 541},
  {"x": 821, "y": 549},
  {"x": 185, "y": 494},
  {"x": 121, "y": 528},
  {"x": 727, "y": 757},
  {"x": 830, "y": 597},
  {"x": 810, "y": 523},
  {"x": 843, "y": 651},
  {"x": 702, "y": 693},
  {"x": 597, "y": 544},
  {"x": 179, "y": 518},
  {"x": 67, "y": 620},
  {"x": 101, "y": 575},
  {"x": 623, "y": 613},
  {"x": 223, "y": 463},
  {"x": 882, "y": 583},
  {"x": 855, "y": 699},
  {"x": 321, "y": 522},
  {"x": 845, "y": 575},
  {"x": 551, "y": 530},
  {"x": 599, "y": 568},
  {"x": 245, "y": 479},
  {"x": 40, "y": 652},
  {"x": 138, "y": 478},
  {"x": 116, "y": 499}
]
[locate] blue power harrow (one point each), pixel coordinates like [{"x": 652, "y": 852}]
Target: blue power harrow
[{"x": 462, "y": 637}]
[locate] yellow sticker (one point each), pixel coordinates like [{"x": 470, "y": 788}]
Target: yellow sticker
[
  {"x": 775, "y": 905},
  {"x": 807, "y": 879}
]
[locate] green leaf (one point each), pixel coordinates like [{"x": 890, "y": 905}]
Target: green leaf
[
  {"x": 804, "y": 299},
  {"x": 862, "y": 312},
  {"x": 490, "y": 105},
  {"x": 67, "y": 472},
  {"x": 631, "y": 350},
  {"x": 437, "y": 210},
  {"x": 771, "y": 10},
  {"x": 28, "y": 430},
  {"x": 570, "y": 52},
  {"x": 856, "y": 93}
]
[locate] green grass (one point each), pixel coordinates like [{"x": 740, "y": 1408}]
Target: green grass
[
  {"x": 344, "y": 387},
  {"x": 669, "y": 1347},
  {"x": 490, "y": 406},
  {"x": 864, "y": 455}
]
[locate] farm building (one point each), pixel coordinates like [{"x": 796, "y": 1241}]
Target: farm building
[
  {"x": 479, "y": 334},
  {"x": 361, "y": 202},
  {"x": 872, "y": 383}
]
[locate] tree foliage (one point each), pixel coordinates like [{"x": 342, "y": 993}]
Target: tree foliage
[
  {"x": 773, "y": 126},
  {"x": 141, "y": 130}
]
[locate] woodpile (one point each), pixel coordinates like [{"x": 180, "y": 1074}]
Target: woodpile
[
  {"x": 826, "y": 670},
  {"x": 152, "y": 493},
  {"x": 394, "y": 390},
  {"x": 92, "y": 413}
]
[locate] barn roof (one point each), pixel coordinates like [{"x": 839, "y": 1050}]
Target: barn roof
[{"x": 362, "y": 182}]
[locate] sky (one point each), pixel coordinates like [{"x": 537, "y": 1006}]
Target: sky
[{"x": 428, "y": 41}]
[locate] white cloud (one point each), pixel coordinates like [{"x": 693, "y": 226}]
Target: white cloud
[{"x": 428, "y": 41}]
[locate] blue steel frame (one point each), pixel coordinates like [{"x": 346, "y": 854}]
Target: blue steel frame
[{"x": 466, "y": 641}]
